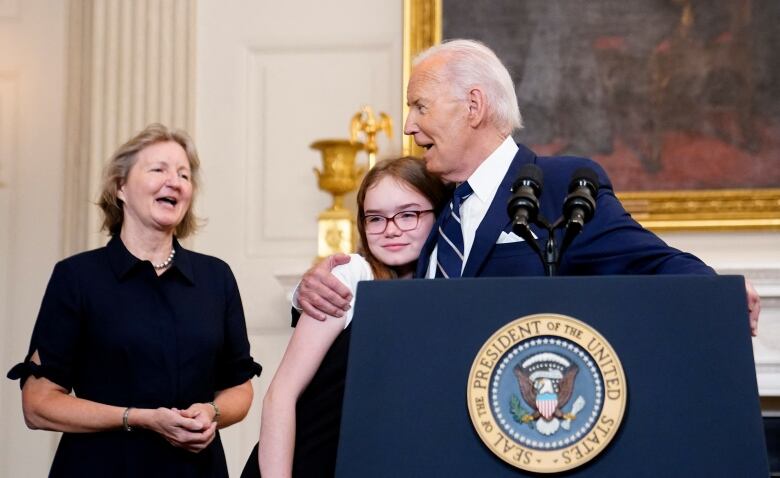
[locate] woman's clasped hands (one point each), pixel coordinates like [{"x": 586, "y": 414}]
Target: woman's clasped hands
[{"x": 192, "y": 429}]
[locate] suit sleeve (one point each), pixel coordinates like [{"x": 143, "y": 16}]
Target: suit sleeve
[{"x": 614, "y": 243}]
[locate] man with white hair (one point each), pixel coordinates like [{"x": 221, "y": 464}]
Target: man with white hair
[{"x": 463, "y": 110}]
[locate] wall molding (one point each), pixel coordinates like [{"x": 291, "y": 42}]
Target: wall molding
[
  {"x": 130, "y": 64},
  {"x": 268, "y": 235}
]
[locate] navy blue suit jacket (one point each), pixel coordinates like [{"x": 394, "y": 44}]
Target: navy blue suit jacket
[{"x": 611, "y": 243}]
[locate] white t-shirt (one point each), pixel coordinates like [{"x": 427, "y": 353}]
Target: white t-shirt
[{"x": 356, "y": 270}]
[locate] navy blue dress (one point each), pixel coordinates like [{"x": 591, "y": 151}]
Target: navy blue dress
[{"x": 113, "y": 332}]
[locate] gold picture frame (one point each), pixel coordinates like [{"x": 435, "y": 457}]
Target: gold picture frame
[{"x": 689, "y": 210}]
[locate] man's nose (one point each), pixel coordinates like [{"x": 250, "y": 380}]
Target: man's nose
[{"x": 410, "y": 125}]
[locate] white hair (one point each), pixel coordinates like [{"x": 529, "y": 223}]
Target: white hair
[{"x": 470, "y": 63}]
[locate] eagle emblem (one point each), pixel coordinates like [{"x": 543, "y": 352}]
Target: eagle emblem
[
  {"x": 546, "y": 383},
  {"x": 535, "y": 393}
]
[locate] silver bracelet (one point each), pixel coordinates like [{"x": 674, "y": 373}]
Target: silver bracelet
[
  {"x": 125, "y": 415},
  {"x": 216, "y": 410}
]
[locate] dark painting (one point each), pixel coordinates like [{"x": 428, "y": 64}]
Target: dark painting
[{"x": 665, "y": 94}]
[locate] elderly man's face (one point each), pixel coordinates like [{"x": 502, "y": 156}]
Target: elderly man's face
[{"x": 438, "y": 120}]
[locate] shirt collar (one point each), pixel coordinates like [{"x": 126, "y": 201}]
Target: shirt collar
[
  {"x": 183, "y": 262},
  {"x": 488, "y": 176},
  {"x": 123, "y": 262}
]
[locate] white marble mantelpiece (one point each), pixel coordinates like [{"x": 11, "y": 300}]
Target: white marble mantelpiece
[{"x": 766, "y": 347}]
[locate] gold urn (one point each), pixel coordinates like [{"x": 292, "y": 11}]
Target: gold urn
[{"x": 339, "y": 176}]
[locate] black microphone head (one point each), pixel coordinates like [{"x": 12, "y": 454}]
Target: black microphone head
[
  {"x": 584, "y": 177},
  {"x": 580, "y": 204},
  {"x": 529, "y": 175},
  {"x": 523, "y": 206}
]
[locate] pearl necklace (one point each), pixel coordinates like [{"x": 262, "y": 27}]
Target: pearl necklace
[{"x": 167, "y": 261}]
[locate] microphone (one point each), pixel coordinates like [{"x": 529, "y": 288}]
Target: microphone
[
  {"x": 523, "y": 206},
  {"x": 580, "y": 204}
]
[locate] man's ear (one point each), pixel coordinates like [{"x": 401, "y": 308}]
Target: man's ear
[{"x": 477, "y": 107}]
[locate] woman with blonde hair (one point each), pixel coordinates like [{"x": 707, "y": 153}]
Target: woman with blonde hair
[{"x": 140, "y": 353}]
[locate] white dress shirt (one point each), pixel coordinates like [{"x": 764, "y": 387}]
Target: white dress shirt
[{"x": 484, "y": 182}]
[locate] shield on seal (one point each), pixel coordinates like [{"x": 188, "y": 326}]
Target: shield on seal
[{"x": 547, "y": 403}]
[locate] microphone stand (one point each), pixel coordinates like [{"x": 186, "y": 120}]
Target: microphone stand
[{"x": 551, "y": 255}]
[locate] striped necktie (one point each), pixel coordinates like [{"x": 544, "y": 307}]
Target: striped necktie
[{"x": 449, "y": 247}]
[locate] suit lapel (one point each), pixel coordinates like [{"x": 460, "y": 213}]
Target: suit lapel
[
  {"x": 496, "y": 219},
  {"x": 427, "y": 250}
]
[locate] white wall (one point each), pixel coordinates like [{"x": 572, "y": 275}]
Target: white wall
[{"x": 32, "y": 77}]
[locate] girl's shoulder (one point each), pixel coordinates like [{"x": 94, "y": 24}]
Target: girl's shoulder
[{"x": 356, "y": 270}]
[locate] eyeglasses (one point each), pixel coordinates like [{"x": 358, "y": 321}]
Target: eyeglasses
[{"x": 404, "y": 220}]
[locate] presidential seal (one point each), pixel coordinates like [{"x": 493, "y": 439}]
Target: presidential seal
[{"x": 546, "y": 393}]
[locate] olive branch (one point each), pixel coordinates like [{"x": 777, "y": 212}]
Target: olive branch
[{"x": 519, "y": 413}]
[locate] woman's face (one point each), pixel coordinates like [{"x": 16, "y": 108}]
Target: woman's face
[
  {"x": 395, "y": 247},
  {"x": 158, "y": 190}
]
